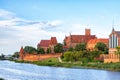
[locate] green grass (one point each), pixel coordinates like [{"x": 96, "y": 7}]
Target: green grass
[{"x": 94, "y": 65}]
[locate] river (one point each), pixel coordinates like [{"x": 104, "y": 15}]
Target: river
[{"x": 21, "y": 71}]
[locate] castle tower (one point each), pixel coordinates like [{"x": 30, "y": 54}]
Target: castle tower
[
  {"x": 87, "y": 32},
  {"x": 21, "y": 53}
]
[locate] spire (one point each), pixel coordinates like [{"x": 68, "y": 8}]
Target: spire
[
  {"x": 113, "y": 29},
  {"x": 113, "y": 26},
  {"x": 22, "y": 50}
]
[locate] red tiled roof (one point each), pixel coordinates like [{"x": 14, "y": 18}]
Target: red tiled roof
[
  {"x": 93, "y": 41},
  {"x": 81, "y": 38},
  {"x": 53, "y": 41},
  {"x": 47, "y": 43},
  {"x": 44, "y": 43}
]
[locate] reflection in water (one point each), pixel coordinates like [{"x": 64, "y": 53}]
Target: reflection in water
[{"x": 20, "y": 71}]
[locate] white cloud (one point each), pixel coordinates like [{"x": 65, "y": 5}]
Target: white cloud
[
  {"x": 6, "y": 14},
  {"x": 17, "y": 32},
  {"x": 55, "y": 23}
]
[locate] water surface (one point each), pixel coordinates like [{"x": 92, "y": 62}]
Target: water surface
[{"x": 21, "y": 71}]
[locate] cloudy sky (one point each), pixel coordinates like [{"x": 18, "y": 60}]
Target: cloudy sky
[{"x": 26, "y": 22}]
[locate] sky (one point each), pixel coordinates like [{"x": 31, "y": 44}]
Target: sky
[{"x": 26, "y": 22}]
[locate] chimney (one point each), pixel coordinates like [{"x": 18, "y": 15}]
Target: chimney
[{"x": 87, "y": 32}]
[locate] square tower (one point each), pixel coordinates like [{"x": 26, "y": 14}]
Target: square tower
[{"x": 87, "y": 32}]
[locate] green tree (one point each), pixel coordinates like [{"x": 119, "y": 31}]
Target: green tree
[
  {"x": 40, "y": 51},
  {"x": 30, "y": 49},
  {"x": 2, "y": 56},
  {"x": 49, "y": 50},
  {"x": 77, "y": 55},
  {"x": 16, "y": 55},
  {"x": 80, "y": 47},
  {"x": 118, "y": 51},
  {"x": 101, "y": 47},
  {"x": 71, "y": 49},
  {"x": 68, "y": 56},
  {"x": 58, "y": 48}
]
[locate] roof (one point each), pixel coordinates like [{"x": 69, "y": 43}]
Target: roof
[
  {"x": 118, "y": 32},
  {"x": 94, "y": 41},
  {"x": 53, "y": 41},
  {"x": 44, "y": 43},
  {"x": 81, "y": 38},
  {"x": 47, "y": 43},
  {"x": 21, "y": 50},
  {"x": 91, "y": 43}
]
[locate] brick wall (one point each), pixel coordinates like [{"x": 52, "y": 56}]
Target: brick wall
[{"x": 34, "y": 57}]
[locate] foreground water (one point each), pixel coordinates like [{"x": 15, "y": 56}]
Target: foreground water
[{"x": 20, "y": 71}]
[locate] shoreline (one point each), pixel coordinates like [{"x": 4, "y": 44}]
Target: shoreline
[{"x": 98, "y": 66}]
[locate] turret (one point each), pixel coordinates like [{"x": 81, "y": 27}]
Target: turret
[{"x": 21, "y": 53}]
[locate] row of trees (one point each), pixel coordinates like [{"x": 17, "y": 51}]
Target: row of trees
[
  {"x": 2, "y": 56},
  {"x": 57, "y": 49},
  {"x": 99, "y": 47},
  {"x": 80, "y": 53}
]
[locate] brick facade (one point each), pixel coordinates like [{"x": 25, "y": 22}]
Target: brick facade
[
  {"x": 114, "y": 41},
  {"x": 91, "y": 43},
  {"x": 36, "y": 57},
  {"x": 45, "y": 44},
  {"x": 73, "y": 40}
]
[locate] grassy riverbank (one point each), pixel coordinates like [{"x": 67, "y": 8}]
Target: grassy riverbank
[{"x": 94, "y": 65}]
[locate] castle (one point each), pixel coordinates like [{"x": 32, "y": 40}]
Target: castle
[
  {"x": 45, "y": 44},
  {"x": 114, "y": 41},
  {"x": 72, "y": 41},
  {"x": 90, "y": 40}
]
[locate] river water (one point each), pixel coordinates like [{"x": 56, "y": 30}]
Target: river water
[{"x": 21, "y": 71}]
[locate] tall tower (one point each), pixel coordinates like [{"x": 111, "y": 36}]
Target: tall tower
[
  {"x": 21, "y": 53},
  {"x": 87, "y": 32}
]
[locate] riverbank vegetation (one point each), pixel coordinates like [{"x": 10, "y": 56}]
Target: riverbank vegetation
[
  {"x": 80, "y": 53},
  {"x": 54, "y": 62},
  {"x": 79, "y": 57}
]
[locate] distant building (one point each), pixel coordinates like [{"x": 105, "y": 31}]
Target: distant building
[
  {"x": 114, "y": 40},
  {"x": 91, "y": 43},
  {"x": 73, "y": 40},
  {"x": 45, "y": 44}
]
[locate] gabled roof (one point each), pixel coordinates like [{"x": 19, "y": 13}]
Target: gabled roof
[
  {"x": 44, "y": 43},
  {"x": 21, "y": 50},
  {"x": 53, "y": 41},
  {"x": 47, "y": 43},
  {"x": 94, "y": 41},
  {"x": 117, "y": 32},
  {"x": 81, "y": 38}
]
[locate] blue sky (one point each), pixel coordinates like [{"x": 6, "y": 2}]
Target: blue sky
[{"x": 26, "y": 22}]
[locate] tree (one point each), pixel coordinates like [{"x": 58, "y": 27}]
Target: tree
[
  {"x": 16, "y": 55},
  {"x": 49, "y": 50},
  {"x": 68, "y": 56},
  {"x": 80, "y": 47},
  {"x": 58, "y": 48},
  {"x": 101, "y": 47},
  {"x": 71, "y": 49},
  {"x": 40, "y": 51},
  {"x": 2, "y": 56},
  {"x": 30, "y": 49},
  {"x": 118, "y": 51}
]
